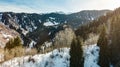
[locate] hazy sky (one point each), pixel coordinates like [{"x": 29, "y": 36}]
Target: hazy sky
[{"x": 43, "y": 6}]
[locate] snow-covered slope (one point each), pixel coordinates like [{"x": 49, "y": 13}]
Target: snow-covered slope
[{"x": 56, "y": 58}]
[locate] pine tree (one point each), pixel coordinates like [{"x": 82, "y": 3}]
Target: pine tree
[
  {"x": 103, "y": 54},
  {"x": 76, "y": 53}
]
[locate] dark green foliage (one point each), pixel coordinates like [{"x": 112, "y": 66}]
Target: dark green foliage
[
  {"x": 76, "y": 53},
  {"x": 13, "y": 43},
  {"x": 104, "y": 53}
]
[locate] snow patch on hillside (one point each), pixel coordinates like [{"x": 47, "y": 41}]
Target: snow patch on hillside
[
  {"x": 32, "y": 43},
  {"x": 49, "y": 23}
]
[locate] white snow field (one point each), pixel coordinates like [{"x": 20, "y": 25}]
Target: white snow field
[{"x": 56, "y": 58}]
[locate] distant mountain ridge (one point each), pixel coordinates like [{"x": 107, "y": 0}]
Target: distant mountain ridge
[{"x": 42, "y": 27}]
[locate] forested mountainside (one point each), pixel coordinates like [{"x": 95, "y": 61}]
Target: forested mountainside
[
  {"x": 108, "y": 26},
  {"x": 38, "y": 28}
]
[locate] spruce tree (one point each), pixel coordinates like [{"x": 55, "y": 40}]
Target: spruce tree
[
  {"x": 76, "y": 53},
  {"x": 104, "y": 53}
]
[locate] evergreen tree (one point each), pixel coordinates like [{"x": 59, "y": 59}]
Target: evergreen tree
[
  {"x": 13, "y": 43},
  {"x": 76, "y": 53},
  {"x": 17, "y": 41},
  {"x": 103, "y": 54},
  {"x": 115, "y": 39}
]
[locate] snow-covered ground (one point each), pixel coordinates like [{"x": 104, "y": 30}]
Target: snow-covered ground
[
  {"x": 91, "y": 54},
  {"x": 56, "y": 58}
]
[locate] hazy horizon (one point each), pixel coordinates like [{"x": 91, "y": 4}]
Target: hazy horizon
[{"x": 47, "y": 6}]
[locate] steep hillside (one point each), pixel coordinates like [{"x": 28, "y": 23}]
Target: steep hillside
[
  {"x": 5, "y": 34},
  {"x": 94, "y": 26}
]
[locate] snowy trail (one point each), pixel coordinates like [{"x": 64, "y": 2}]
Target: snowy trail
[{"x": 56, "y": 58}]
